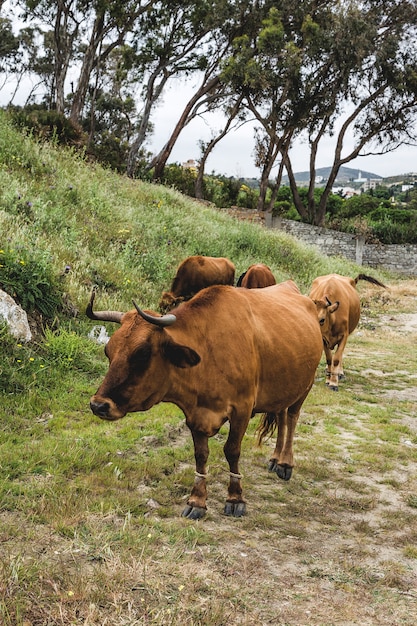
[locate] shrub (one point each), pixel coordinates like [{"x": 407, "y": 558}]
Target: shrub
[
  {"x": 181, "y": 178},
  {"x": 47, "y": 124},
  {"x": 30, "y": 281}
]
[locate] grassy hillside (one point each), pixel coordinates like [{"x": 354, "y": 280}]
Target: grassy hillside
[
  {"x": 126, "y": 236},
  {"x": 90, "y": 532}
]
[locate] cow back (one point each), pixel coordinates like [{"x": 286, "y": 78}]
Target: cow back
[{"x": 257, "y": 276}]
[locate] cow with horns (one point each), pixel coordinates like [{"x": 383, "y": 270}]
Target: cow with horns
[
  {"x": 225, "y": 355},
  {"x": 256, "y": 276},
  {"x": 338, "y": 309},
  {"x": 196, "y": 273}
]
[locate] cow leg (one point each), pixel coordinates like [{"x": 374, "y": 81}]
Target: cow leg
[
  {"x": 196, "y": 504},
  {"x": 329, "y": 363},
  {"x": 282, "y": 461},
  {"x": 337, "y": 369},
  {"x": 235, "y": 504},
  {"x": 276, "y": 461}
]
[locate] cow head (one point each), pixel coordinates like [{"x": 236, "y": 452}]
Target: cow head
[
  {"x": 141, "y": 356},
  {"x": 324, "y": 309}
]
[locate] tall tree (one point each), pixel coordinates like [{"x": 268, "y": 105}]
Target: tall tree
[
  {"x": 111, "y": 22},
  {"x": 206, "y": 148},
  {"x": 170, "y": 40},
  {"x": 303, "y": 64},
  {"x": 225, "y": 20}
]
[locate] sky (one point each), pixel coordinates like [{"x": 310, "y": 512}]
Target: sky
[{"x": 233, "y": 156}]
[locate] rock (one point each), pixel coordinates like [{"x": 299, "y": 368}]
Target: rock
[
  {"x": 99, "y": 334},
  {"x": 15, "y": 317}
]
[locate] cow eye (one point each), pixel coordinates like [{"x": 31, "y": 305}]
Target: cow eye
[
  {"x": 139, "y": 360},
  {"x": 321, "y": 321}
]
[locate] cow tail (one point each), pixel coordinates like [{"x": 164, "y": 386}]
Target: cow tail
[
  {"x": 267, "y": 426},
  {"x": 374, "y": 281}
]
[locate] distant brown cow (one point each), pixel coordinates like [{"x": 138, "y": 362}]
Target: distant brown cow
[
  {"x": 338, "y": 310},
  {"x": 196, "y": 273},
  {"x": 225, "y": 355},
  {"x": 256, "y": 276}
]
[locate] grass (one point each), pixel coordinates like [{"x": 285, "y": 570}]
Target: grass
[{"x": 90, "y": 526}]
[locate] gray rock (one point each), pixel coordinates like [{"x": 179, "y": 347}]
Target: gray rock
[{"x": 15, "y": 317}]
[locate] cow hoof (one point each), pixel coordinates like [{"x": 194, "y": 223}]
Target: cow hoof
[
  {"x": 193, "y": 512},
  {"x": 235, "y": 509},
  {"x": 281, "y": 470}
]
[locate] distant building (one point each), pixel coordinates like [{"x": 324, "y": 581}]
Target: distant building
[
  {"x": 190, "y": 164},
  {"x": 345, "y": 192},
  {"x": 360, "y": 178},
  {"x": 370, "y": 183}
]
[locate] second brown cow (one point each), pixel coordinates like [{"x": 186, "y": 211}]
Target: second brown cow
[
  {"x": 256, "y": 276},
  {"x": 194, "y": 274}
]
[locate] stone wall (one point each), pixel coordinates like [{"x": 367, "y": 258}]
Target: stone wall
[{"x": 400, "y": 258}]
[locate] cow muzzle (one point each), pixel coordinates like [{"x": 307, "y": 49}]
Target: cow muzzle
[{"x": 105, "y": 409}]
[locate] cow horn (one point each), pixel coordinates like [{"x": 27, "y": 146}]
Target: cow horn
[
  {"x": 164, "y": 320},
  {"x": 328, "y": 301},
  {"x": 104, "y": 316}
]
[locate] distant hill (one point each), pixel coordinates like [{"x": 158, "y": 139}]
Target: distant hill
[{"x": 345, "y": 175}]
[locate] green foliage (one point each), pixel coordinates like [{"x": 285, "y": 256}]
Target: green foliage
[
  {"x": 29, "y": 279},
  {"x": 180, "y": 178},
  {"x": 66, "y": 349},
  {"x": 358, "y": 205},
  {"x": 14, "y": 358},
  {"x": 392, "y": 232},
  {"x": 46, "y": 124}
]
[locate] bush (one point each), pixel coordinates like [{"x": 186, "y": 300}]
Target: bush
[
  {"x": 47, "y": 124},
  {"x": 394, "y": 215},
  {"x": 395, "y": 233},
  {"x": 181, "y": 178},
  {"x": 30, "y": 281}
]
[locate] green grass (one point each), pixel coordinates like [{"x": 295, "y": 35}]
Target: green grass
[{"x": 90, "y": 526}]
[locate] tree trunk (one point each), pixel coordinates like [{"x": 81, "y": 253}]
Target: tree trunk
[
  {"x": 152, "y": 95},
  {"x": 293, "y": 185},
  {"x": 159, "y": 162},
  {"x": 277, "y": 185},
  {"x": 198, "y": 189}
]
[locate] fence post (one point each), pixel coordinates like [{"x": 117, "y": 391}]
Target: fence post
[{"x": 360, "y": 245}]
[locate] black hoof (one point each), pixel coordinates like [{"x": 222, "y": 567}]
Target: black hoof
[
  {"x": 282, "y": 471},
  {"x": 193, "y": 512},
  {"x": 235, "y": 509}
]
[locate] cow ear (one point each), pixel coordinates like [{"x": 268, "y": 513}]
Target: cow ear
[
  {"x": 333, "y": 307},
  {"x": 180, "y": 356}
]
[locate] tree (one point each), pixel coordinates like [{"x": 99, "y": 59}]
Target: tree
[
  {"x": 207, "y": 148},
  {"x": 226, "y": 20},
  {"x": 303, "y": 65},
  {"x": 170, "y": 40}
]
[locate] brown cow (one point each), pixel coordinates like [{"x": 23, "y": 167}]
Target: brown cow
[
  {"x": 338, "y": 309},
  {"x": 256, "y": 276},
  {"x": 225, "y": 355},
  {"x": 196, "y": 273}
]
